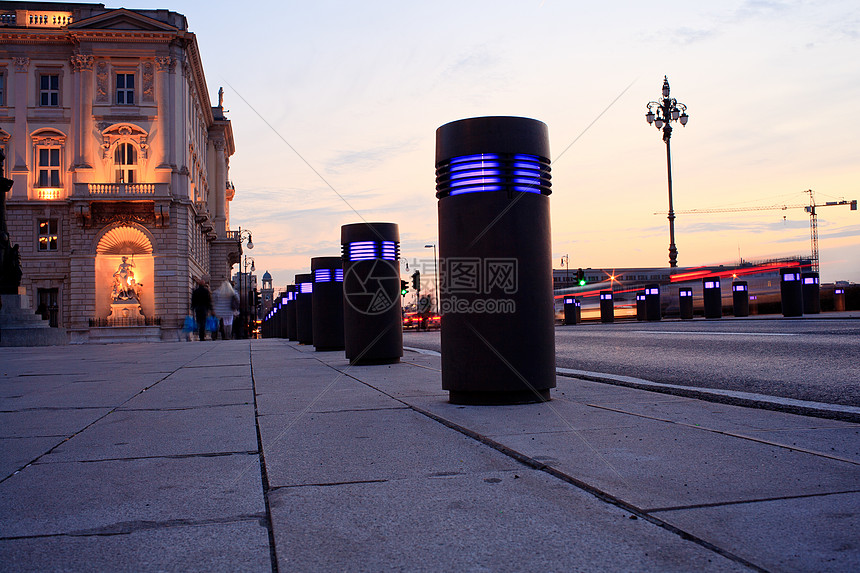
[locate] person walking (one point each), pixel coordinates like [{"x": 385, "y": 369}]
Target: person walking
[
  {"x": 226, "y": 301},
  {"x": 201, "y": 304}
]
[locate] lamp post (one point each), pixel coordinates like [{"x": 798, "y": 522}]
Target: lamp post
[
  {"x": 246, "y": 316},
  {"x": 668, "y": 110},
  {"x": 435, "y": 274}
]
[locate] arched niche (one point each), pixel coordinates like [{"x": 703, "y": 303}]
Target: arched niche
[{"x": 136, "y": 244}]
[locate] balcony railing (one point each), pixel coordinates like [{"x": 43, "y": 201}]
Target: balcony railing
[{"x": 121, "y": 190}]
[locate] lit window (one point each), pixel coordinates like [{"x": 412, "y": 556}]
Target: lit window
[
  {"x": 48, "y": 235},
  {"x": 125, "y": 159},
  {"x": 49, "y": 90},
  {"x": 125, "y": 89},
  {"x": 49, "y": 167}
]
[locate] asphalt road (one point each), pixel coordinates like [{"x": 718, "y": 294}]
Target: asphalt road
[{"x": 805, "y": 359}]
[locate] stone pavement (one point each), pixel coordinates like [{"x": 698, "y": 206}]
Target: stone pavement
[{"x": 147, "y": 457}]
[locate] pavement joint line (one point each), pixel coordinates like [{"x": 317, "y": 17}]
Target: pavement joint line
[
  {"x": 748, "y": 501},
  {"x": 733, "y": 397},
  {"x": 729, "y": 434},
  {"x": 360, "y": 410},
  {"x": 329, "y": 484},
  {"x": 214, "y": 366},
  {"x": 161, "y": 457},
  {"x": 184, "y": 408},
  {"x": 129, "y": 527},
  {"x": 54, "y": 409},
  {"x": 99, "y": 419},
  {"x": 558, "y": 474},
  {"x": 264, "y": 474}
]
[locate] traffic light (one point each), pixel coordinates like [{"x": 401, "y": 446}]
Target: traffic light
[
  {"x": 580, "y": 277},
  {"x": 404, "y": 288},
  {"x": 416, "y": 281}
]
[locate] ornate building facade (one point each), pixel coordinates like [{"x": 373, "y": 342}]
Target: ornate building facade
[{"x": 120, "y": 167}]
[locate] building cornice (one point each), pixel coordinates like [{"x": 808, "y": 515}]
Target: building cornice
[{"x": 94, "y": 36}]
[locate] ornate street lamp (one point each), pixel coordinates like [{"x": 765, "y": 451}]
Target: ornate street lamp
[{"x": 668, "y": 110}]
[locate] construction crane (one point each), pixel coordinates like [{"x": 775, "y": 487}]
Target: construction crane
[{"x": 809, "y": 208}]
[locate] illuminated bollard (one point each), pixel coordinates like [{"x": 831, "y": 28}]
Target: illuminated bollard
[
  {"x": 811, "y": 293},
  {"x": 839, "y": 299},
  {"x": 578, "y": 304},
  {"x": 277, "y": 314},
  {"x": 328, "y": 303},
  {"x": 713, "y": 297},
  {"x": 640, "y": 305},
  {"x": 652, "y": 303},
  {"x": 791, "y": 291},
  {"x": 607, "y": 306},
  {"x": 685, "y": 303},
  {"x": 570, "y": 310},
  {"x": 372, "y": 324},
  {"x": 740, "y": 298},
  {"x": 290, "y": 314},
  {"x": 493, "y": 186},
  {"x": 304, "y": 308}
]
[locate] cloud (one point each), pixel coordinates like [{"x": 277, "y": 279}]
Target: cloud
[
  {"x": 740, "y": 226},
  {"x": 688, "y": 36}
]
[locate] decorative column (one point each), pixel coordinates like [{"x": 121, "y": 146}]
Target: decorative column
[
  {"x": 165, "y": 66},
  {"x": 19, "y": 162},
  {"x": 220, "y": 183},
  {"x": 82, "y": 118}
]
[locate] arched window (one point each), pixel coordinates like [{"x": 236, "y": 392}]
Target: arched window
[{"x": 125, "y": 162}]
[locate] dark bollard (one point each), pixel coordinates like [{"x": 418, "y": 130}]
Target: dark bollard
[
  {"x": 652, "y": 303},
  {"x": 811, "y": 293},
  {"x": 570, "y": 310},
  {"x": 685, "y": 303},
  {"x": 607, "y": 306},
  {"x": 290, "y": 314},
  {"x": 740, "y": 298},
  {"x": 372, "y": 327},
  {"x": 275, "y": 321},
  {"x": 839, "y": 299},
  {"x": 304, "y": 308},
  {"x": 791, "y": 290},
  {"x": 578, "y": 305},
  {"x": 493, "y": 186},
  {"x": 328, "y": 303},
  {"x": 640, "y": 305},
  {"x": 713, "y": 297},
  {"x": 282, "y": 317}
]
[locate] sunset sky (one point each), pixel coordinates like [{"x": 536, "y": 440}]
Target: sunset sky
[{"x": 335, "y": 106}]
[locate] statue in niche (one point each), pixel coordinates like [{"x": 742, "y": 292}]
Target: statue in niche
[{"x": 125, "y": 287}]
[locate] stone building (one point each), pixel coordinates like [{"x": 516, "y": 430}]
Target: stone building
[{"x": 120, "y": 166}]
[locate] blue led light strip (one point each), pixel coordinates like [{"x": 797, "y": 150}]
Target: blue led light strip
[
  {"x": 368, "y": 250},
  {"x": 338, "y": 275},
  {"x": 306, "y": 288},
  {"x": 322, "y": 276},
  {"x": 493, "y": 172}
]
